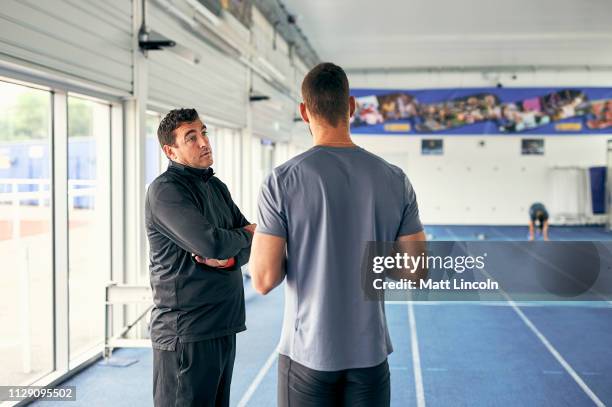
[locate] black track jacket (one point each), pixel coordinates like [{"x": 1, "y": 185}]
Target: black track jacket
[{"x": 189, "y": 211}]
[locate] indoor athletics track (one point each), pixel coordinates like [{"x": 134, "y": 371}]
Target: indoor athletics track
[{"x": 446, "y": 354}]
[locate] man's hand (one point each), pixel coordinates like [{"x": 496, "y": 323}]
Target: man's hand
[
  {"x": 211, "y": 262},
  {"x": 250, "y": 228}
]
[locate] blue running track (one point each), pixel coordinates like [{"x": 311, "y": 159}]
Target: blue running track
[{"x": 468, "y": 354}]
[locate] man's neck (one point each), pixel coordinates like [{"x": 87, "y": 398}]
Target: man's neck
[
  {"x": 187, "y": 166},
  {"x": 331, "y": 136}
]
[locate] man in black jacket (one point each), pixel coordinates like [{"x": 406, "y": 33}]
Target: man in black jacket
[{"x": 198, "y": 241}]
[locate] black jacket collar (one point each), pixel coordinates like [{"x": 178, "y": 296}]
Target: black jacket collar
[{"x": 202, "y": 173}]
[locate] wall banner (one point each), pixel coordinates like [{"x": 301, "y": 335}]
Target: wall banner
[{"x": 550, "y": 111}]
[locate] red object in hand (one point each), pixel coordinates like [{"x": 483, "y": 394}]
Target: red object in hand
[
  {"x": 230, "y": 263},
  {"x": 215, "y": 263},
  {"x": 250, "y": 228}
]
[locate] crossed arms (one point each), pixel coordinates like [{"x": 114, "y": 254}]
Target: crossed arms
[{"x": 177, "y": 217}]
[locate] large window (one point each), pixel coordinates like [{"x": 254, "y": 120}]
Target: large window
[
  {"x": 88, "y": 220},
  {"x": 226, "y": 145},
  {"x": 155, "y": 160},
  {"x": 267, "y": 157},
  {"x": 26, "y": 291}
]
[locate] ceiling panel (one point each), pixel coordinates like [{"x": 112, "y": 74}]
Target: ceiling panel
[{"x": 384, "y": 33}]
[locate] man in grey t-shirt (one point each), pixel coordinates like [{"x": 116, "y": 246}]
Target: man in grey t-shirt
[{"x": 316, "y": 212}]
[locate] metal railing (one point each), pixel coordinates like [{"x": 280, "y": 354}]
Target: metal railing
[
  {"x": 76, "y": 188},
  {"x": 121, "y": 294}
]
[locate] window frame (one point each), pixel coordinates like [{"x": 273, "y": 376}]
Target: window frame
[{"x": 62, "y": 366}]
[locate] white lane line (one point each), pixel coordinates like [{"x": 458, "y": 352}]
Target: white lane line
[
  {"x": 437, "y": 369},
  {"x": 568, "y": 368},
  {"x": 523, "y": 304},
  {"x": 416, "y": 358},
  {"x": 557, "y": 355},
  {"x": 258, "y": 379},
  {"x": 544, "y": 261}
]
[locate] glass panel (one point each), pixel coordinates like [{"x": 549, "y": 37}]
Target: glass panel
[
  {"x": 88, "y": 220},
  {"x": 154, "y": 165},
  {"x": 26, "y": 292},
  {"x": 153, "y": 161},
  {"x": 227, "y": 153},
  {"x": 267, "y": 157}
]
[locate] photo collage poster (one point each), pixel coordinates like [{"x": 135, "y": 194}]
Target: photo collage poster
[{"x": 483, "y": 111}]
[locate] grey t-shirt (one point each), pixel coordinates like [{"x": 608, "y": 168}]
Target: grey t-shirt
[{"x": 327, "y": 203}]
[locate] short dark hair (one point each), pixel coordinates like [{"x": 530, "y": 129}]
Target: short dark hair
[
  {"x": 172, "y": 121},
  {"x": 325, "y": 90}
]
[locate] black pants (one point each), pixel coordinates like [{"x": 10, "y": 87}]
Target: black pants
[
  {"x": 196, "y": 374},
  {"x": 300, "y": 386}
]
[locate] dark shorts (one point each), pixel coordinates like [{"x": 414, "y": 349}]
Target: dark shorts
[
  {"x": 196, "y": 374},
  {"x": 364, "y": 387},
  {"x": 534, "y": 218},
  {"x": 534, "y": 209}
]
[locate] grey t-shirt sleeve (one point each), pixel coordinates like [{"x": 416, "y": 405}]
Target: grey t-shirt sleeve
[
  {"x": 411, "y": 223},
  {"x": 272, "y": 219}
]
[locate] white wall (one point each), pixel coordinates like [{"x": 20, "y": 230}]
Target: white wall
[
  {"x": 392, "y": 33},
  {"x": 492, "y": 184}
]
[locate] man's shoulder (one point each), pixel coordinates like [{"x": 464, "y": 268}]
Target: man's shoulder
[
  {"x": 163, "y": 184},
  {"x": 160, "y": 180},
  {"x": 309, "y": 161},
  {"x": 294, "y": 163},
  {"x": 276, "y": 179},
  {"x": 377, "y": 161}
]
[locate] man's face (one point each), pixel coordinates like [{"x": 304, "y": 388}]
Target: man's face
[{"x": 191, "y": 146}]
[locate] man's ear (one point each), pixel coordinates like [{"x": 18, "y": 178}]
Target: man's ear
[
  {"x": 351, "y": 106},
  {"x": 304, "y": 112},
  {"x": 168, "y": 151}
]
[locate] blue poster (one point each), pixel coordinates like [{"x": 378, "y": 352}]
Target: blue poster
[{"x": 545, "y": 111}]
